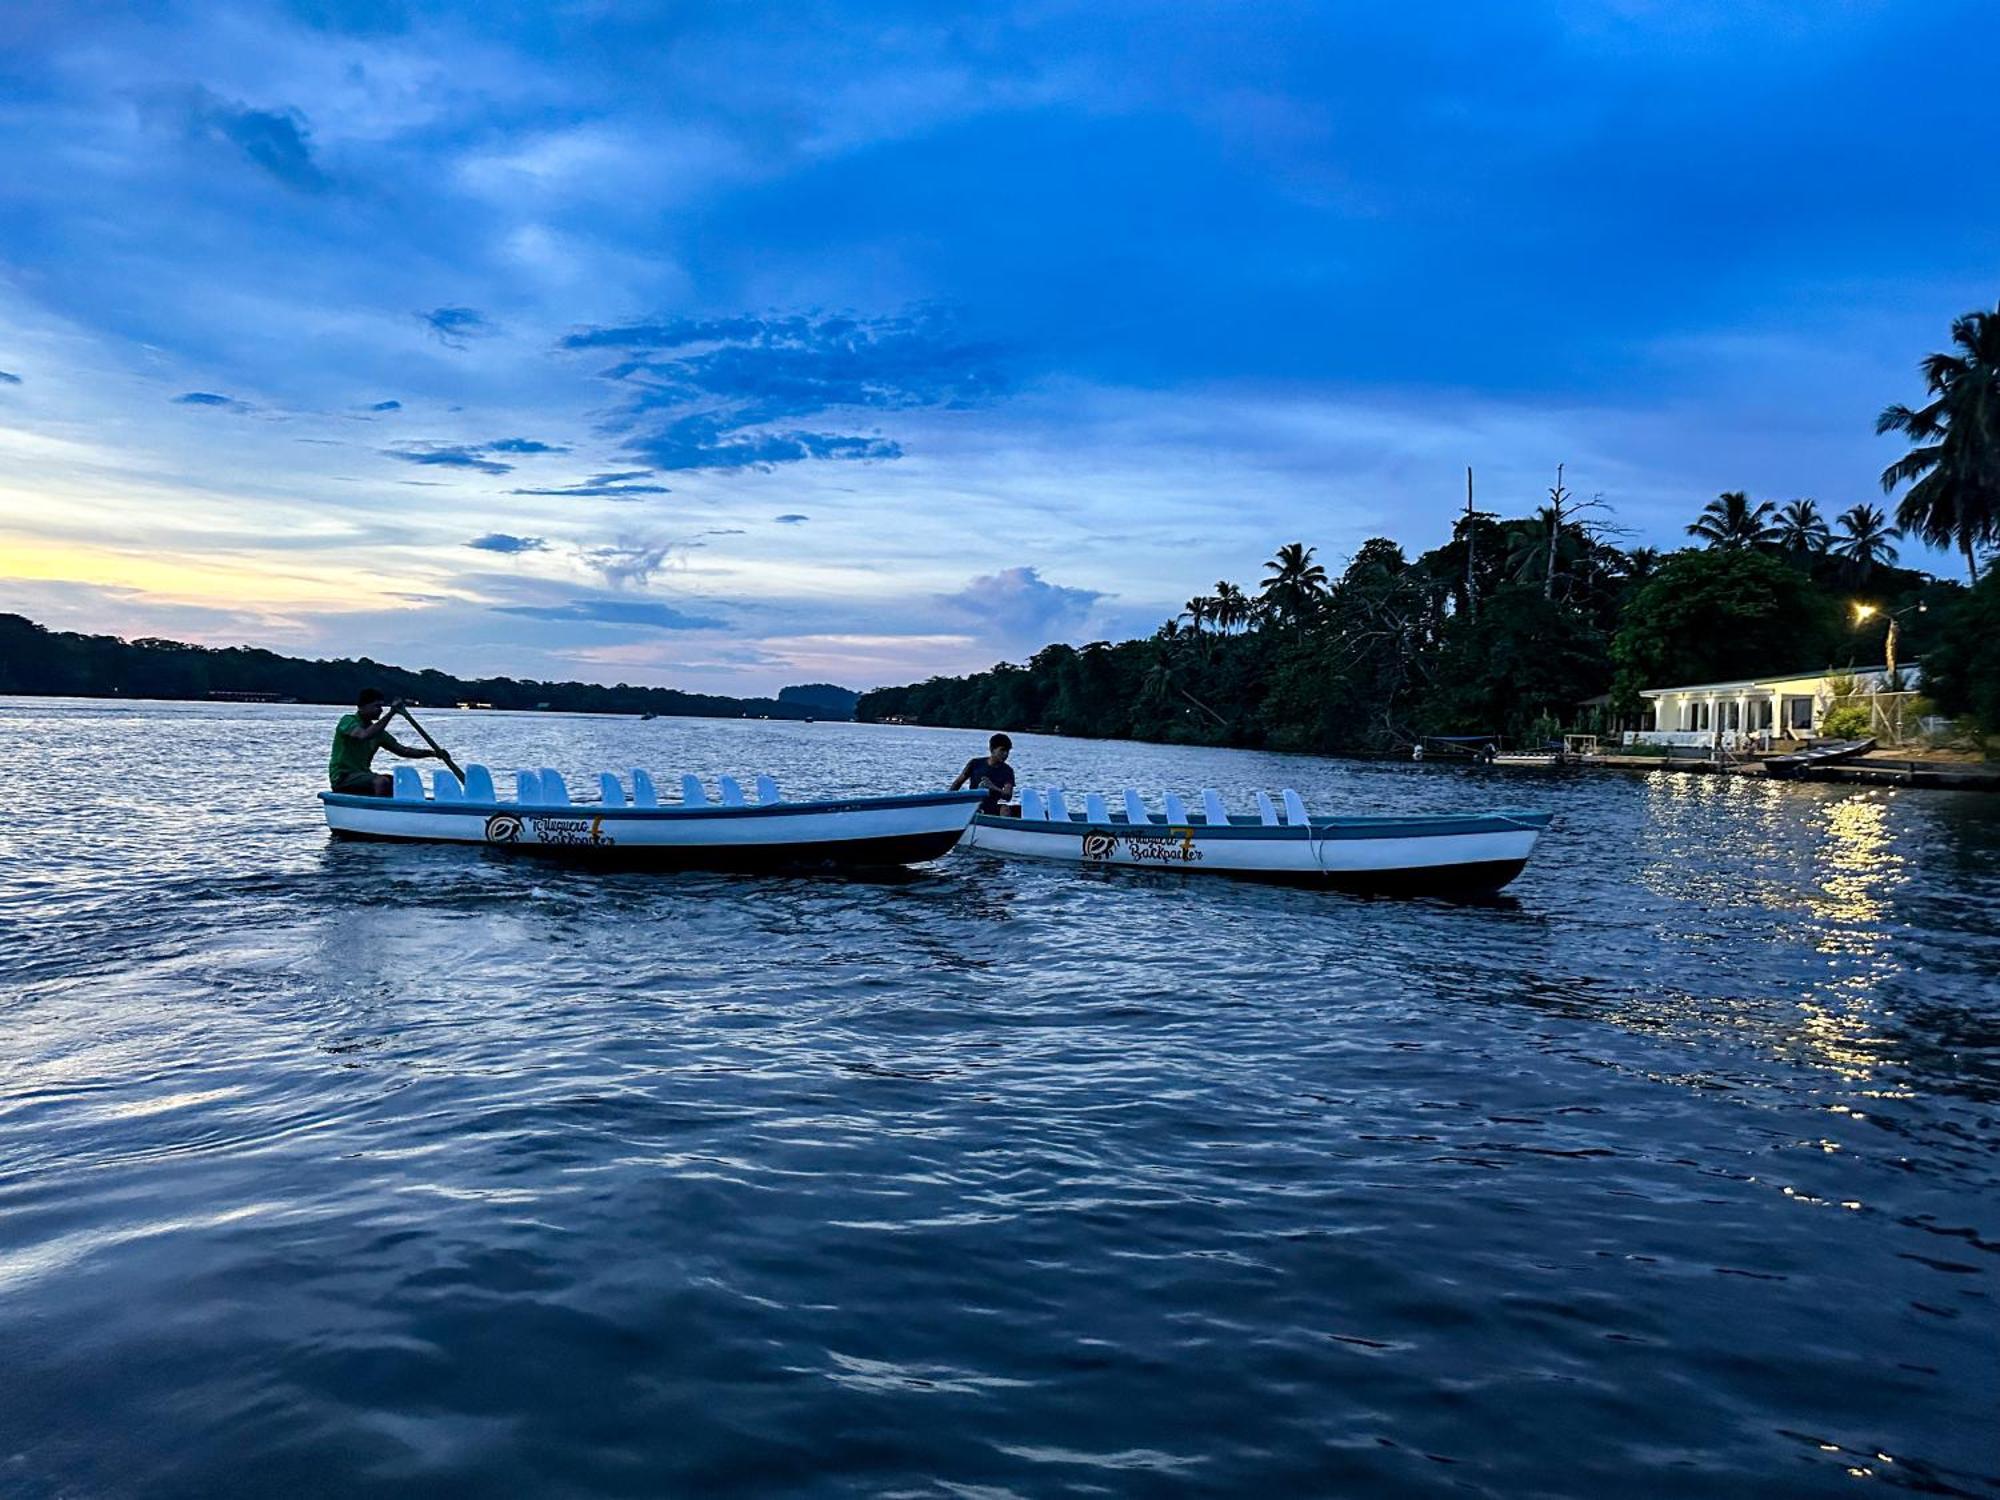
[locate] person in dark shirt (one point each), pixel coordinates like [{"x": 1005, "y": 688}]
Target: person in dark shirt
[
  {"x": 357, "y": 737},
  {"x": 990, "y": 774}
]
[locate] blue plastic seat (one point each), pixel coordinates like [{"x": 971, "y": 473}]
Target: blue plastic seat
[
  {"x": 610, "y": 790},
  {"x": 692, "y": 793},
  {"x": 767, "y": 790},
  {"x": 1135, "y": 808},
  {"x": 1212, "y": 810},
  {"x": 479, "y": 785},
  {"x": 732, "y": 791},
  {"x": 554, "y": 792},
  {"x": 1177, "y": 812},
  {"x": 527, "y": 788},
  {"x": 1295, "y": 809},
  {"x": 445, "y": 787},
  {"x": 1058, "y": 808},
  {"x": 409, "y": 785},
  {"x": 1266, "y": 814},
  {"x": 1094, "y": 810},
  {"x": 1032, "y": 810},
  {"x": 644, "y": 793}
]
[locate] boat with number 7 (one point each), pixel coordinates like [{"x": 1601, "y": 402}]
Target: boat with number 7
[
  {"x": 1403, "y": 854},
  {"x": 731, "y": 832}
]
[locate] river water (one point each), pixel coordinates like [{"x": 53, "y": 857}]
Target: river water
[{"x": 354, "y": 1169}]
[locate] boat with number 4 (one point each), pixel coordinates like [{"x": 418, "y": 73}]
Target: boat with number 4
[
  {"x": 731, "y": 832},
  {"x": 1409, "y": 854}
]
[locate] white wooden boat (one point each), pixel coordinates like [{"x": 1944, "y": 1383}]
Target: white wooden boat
[
  {"x": 729, "y": 832},
  {"x": 1411, "y": 854}
]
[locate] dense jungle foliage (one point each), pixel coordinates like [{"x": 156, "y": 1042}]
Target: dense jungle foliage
[{"x": 36, "y": 660}]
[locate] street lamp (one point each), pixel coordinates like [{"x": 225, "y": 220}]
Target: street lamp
[{"x": 1866, "y": 612}]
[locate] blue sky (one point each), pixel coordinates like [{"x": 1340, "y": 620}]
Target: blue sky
[{"x": 726, "y": 346}]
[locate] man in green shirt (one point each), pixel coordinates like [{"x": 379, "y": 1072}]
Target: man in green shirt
[{"x": 357, "y": 737}]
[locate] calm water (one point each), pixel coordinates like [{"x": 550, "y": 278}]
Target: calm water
[{"x": 329, "y": 1170}]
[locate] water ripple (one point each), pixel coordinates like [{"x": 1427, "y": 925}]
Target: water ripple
[{"x": 331, "y": 1169}]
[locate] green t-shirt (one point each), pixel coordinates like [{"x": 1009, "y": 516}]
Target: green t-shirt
[{"x": 350, "y": 756}]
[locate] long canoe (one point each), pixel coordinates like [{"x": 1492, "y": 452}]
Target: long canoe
[
  {"x": 732, "y": 833},
  {"x": 1419, "y": 853}
]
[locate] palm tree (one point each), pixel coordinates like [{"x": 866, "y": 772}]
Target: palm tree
[
  {"x": 1198, "y": 609},
  {"x": 1802, "y": 530},
  {"x": 1730, "y": 521},
  {"x": 1296, "y": 584},
  {"x": 1955, "y": 498},
  {"x": 1866, "y": 537},
  {"x": 1232, "y": 606}
]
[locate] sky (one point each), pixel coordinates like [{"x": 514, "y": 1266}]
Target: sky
[{"x": 731, "y": 345}]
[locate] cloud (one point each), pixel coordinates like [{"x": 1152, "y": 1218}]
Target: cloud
[
  {"x": 603, "y": 610},
  {"x": 704, "y": 441},
  {"x": 607, "y": 486},
  {"x": 450, "y": 456},
  {"x": 277, "y": 140},
  {"x": 454, "y": 325},
  {"x": 477, "y": 456},
  {"x": 1019, "y": 603},
  {"x": 723, "y": 393},
  {"x": 625, "y": 564},
  {"x": 8, "y": 377},
  {"x": 792, "y": 519},
  {"x": 500, "y": 541},
  {"x": 209, "y": 398},
  {"x": 387, "y": 406}
]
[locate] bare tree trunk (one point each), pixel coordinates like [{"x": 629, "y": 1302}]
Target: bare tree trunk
[
  {"x": 1556, "y": 498},
  {"x": 1471, "y": 545},
  {"x": 1971, "y": 562}
]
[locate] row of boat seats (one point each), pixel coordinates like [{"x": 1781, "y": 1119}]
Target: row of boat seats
[
  {"x": 1052, "y": 807},
  {"x": 546, "y": 788}
]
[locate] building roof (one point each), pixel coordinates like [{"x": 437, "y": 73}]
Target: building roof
[{"x": 1879, "y": 670}]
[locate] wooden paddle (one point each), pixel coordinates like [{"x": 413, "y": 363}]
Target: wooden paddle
[{"x": 442, "y": 754}]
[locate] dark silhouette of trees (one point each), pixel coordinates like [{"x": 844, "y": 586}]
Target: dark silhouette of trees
[{"x": 1954, "y": 469}]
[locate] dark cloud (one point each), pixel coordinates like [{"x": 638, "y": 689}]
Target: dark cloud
[
  {"x": 387, "y": 406},
  {"x": 8, "y": 377},
  {"x": 278, "y": 140},
  {"x": 454, "y": 325},
  {"x": 703, "y": 441},
  {"x": 450, "y": 456},
  {"x": 477, "y": 456},
  {"x": 603, "y": 486},
  {"x": 792, "y": 519},
  {"x": 1019, "y": 603},
  {"x": 724, "y": 393},
  {"x": 603, "y": 610},
  {"x": 625, "y": 564},
  {"x": 500, "y": 541},
  {"x": 209, "y": 398}
]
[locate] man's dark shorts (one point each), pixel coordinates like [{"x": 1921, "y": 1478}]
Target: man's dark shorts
[{"x": 357, "y": 784}]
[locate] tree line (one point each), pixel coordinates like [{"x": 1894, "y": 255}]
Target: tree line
[
  {"x": 1522, "y": 625},
  {"x": 37, "y": 660}
]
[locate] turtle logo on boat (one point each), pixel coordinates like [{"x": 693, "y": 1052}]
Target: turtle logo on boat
[
  {"x": 1099, "y": 846},
  {"x": 503, "y": 828}
]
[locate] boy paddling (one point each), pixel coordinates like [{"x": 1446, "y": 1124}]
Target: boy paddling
[
  {"x": 357, "y": 737},
  {"x": 991, "y": 774}
]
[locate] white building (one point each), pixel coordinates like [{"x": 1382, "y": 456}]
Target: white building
[{"x": 1758, "y": 709}]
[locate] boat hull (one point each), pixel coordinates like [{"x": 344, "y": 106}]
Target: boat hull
[
  {"x": 863, "y": 832},
  {"x": 1391, "y": 856}
]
